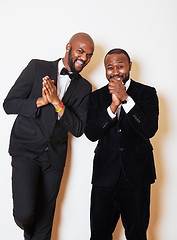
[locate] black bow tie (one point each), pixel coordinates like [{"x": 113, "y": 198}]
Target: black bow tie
[{"x": 72, "y": 75}]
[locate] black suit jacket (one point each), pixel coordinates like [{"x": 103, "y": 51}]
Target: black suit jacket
[
  {"x": 34, "y": 130},
  {"x": 124, "y": 143}
]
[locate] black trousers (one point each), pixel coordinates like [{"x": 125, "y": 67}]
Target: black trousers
[
  {"x": 35, "y": 186},
  {"x": 131, "y": 202}
]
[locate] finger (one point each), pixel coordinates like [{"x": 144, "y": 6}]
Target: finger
[
  {"x": 113, "y": 86},
  {"x": 110, "y": 87},
  {"x": 49, "y": 87},
  {"x": 111, "y": 91},
  {"x": 46, "y": 79},
  {"x": 46, "y": 91},
  {"x": 49, "y": 82},
  {"x": 114, "y": 80}
]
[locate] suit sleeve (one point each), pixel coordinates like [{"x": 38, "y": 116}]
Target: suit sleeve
[
  {"x": 17, "y": 100},
  {"x": 98, "y": 121},
  {"x": 75, "y": 120},
  {"x": 143, "y": 117}
]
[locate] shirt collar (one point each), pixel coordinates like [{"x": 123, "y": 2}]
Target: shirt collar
[
  {"x": 60, "y": 65},
  {"x": 127, "y": 84}
]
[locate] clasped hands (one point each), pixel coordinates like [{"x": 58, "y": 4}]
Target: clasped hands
[
  {"x": 49, "y": 94},
  {"x": 117, "y": 89}
]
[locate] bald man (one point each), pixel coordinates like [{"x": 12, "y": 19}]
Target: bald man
[{"x": 50, "y": 99}]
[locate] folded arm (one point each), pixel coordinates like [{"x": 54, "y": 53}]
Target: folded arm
[
  {"x": 143, "y": 117},
  {"x": 17, "y": 100}
]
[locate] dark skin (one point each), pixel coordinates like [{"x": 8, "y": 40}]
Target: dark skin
[
  {"x": 80, "y": 47},
  {"x": 117, "y": 72}
]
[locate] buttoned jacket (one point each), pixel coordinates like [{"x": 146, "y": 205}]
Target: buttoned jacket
[
  {"x": 123, "y": 143},
  {"x": 35, "y": 129}
]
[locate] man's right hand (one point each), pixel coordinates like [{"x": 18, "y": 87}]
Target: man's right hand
[{"x": 42, "y": 101}]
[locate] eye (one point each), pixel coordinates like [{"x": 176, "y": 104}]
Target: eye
[
  {"x": 109, "y": 68},
  {"x": 89, "y": 55},
  {"x": 80, "y": 51},
  {"x": 120, "y": 67}
]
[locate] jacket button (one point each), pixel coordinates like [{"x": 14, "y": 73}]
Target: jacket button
[{"x": 121, "y": 149}]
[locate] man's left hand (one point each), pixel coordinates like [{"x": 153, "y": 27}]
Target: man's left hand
[
  {"x": 50, "y": 90},
  {"x": 117, "y": 87}
]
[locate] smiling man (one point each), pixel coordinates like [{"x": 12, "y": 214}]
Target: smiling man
[
  {"x": 122, "y": 116},
  {"x": 50, "y": 99}
]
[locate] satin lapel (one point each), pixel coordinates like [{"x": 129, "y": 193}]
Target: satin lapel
[
  {"x": 131, "y": 90},
  {"x": 70, "y": 89},
  {"x": 54, "y": 71},
  {"x": 107, "y": 96}
]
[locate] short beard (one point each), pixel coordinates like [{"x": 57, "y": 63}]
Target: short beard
[{"x": 71, "y": 62}]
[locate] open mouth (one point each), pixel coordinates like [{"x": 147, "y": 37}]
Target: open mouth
[{"x": 79, "y": 63}]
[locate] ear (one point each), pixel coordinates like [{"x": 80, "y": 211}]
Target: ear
[
  {"x": 130, "y": 66},
  {"x": 68, "y": 47}
]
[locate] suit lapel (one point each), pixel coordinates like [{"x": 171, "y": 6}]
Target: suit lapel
[
  {"x": 106, "y": 96},
  {"x": 70, "y": 89},
  {"x": 130, "y": 91},
  {"x": 54, "y": 76},
  {"x": 54, "y": 71}
]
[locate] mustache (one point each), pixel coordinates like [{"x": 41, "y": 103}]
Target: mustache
[
  {"x": 84, "y": 62},
  {"x": 117, "y": 76}
]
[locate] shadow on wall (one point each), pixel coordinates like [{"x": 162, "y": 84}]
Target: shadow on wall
[
  {"x": 135, "y": 72},
  {"x": 157, "y": 142},
  {"x": 157, "y": 188},
  {"x": 61, "y": 195},
  {"x": 95, "y": 61}
]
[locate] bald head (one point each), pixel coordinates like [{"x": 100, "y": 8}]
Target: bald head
[
  {"x": 81, "y": 37},
  {"x": 79, "y": 51}
]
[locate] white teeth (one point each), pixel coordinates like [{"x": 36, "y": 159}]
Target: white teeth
[{"x": 80, "y": 62}]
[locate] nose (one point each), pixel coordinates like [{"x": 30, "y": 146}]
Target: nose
[
  {"x": 84, "y": 57},
  {"x": 115, "y": 71}
]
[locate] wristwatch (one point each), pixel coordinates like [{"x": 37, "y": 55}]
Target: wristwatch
[{"x": 124, "y": 101}]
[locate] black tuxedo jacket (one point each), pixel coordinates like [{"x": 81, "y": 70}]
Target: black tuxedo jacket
[
  {"x": 34, "y": 129},
  {"x": 124, "y": 143}
]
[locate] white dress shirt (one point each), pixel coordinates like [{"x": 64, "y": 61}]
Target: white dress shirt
[
  {"x": 127, "y": 106},
  {"x": 63, "y": 81}
]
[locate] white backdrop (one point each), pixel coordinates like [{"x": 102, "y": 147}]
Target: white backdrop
[{"x": 147, "y": 30}]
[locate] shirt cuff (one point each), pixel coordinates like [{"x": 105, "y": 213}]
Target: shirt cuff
[
  {"x": 111, "y": 114},
  {"x": 38, "y": 111},
  {"x": 58, "y": 116},
  {"x": 129, "y": 105}
]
